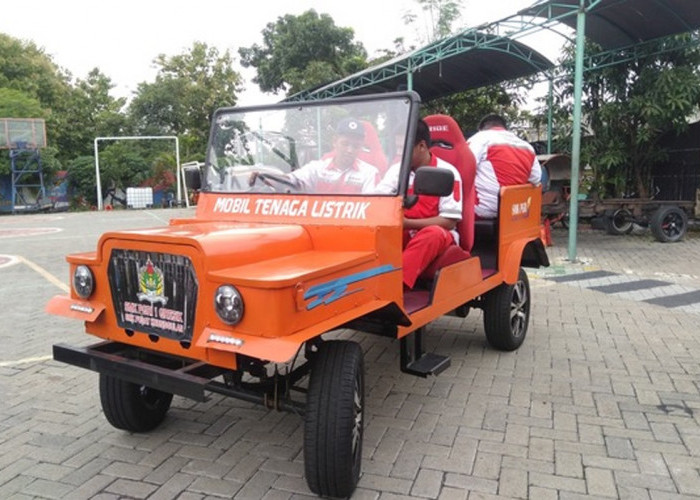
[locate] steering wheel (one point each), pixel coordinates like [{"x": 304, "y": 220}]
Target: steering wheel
[{"x": 268, "y": 179}]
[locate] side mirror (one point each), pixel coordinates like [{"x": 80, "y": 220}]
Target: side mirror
[
  {"x": 433, "y": 181},
  {"x": 193, "y": 175}
]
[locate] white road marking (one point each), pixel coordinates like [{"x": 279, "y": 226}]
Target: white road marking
[
  {"x": 8, "y": 260},
  {"x": 25, "y": 361},
  {"x": 45, "y": 274}
]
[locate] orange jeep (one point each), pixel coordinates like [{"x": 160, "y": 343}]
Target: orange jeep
[{"x": 236, "y": 300}]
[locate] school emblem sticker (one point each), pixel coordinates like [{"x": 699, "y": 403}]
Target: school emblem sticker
[{"x": 151, "y": 284}]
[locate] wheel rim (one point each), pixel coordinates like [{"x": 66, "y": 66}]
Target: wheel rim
[
  {"x": 519, "y": 309},
  {"x": 621, "y": 222},
  {"x": 672, "y": 225},
  {"x": 358, "y": 415}
]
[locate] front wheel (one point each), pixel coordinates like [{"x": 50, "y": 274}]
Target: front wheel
[
  {"x": 334, "y": 419},
  {"x": 507, "y": 314},
  {"x": 132, "y": 407},
  {"x": 669, "y": 224}
]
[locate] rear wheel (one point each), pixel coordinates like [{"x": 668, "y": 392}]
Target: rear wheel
[
  {"x": 132, "y": 407},
  {"x": 620, "y": 222},
  {"x": 334, "y": 419},
  {"x": 507, "y": 314},
  {"x": 669, "y": 224}
]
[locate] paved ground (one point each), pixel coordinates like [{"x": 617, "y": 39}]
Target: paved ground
[{"x": 600, "y": 401}]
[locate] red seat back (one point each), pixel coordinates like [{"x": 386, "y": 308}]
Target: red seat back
[{"x": 449, "y": 144}]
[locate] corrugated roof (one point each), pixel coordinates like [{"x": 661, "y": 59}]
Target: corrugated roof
[
  {"x": 614, "y": 24},
  {"x": 467, "y": 60}
]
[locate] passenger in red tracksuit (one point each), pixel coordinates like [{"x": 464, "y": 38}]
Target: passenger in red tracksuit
[
  {"x": 502, "y": 159},
  {"x": 429, "y": 225}
]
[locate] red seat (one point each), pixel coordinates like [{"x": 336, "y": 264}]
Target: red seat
[
  {"x": 449, "y": 144},
  {"x": 372, "y": 151}
]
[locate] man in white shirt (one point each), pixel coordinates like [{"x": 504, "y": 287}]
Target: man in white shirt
[{"x": 341, "y": 171}]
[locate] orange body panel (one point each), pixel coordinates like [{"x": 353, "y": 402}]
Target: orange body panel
[
  {"x": 304, "y": 265},
  {"x": 519, "y": 223}
]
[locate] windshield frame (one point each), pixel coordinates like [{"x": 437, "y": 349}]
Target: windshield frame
[{"x": 412, "y": 100}]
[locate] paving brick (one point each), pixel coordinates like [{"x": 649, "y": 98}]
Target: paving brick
[
  {"x": 600, "y": 482},
  {"x": 619, "y": 447},
  {"x": 215, "y": 487},
  {"x": 487, "y": 465},
  {"x": 513, "y": 483},
  {"x": 428, "y": 484},
  {"x": 389, "y": 484},
  {"x": 91, "y": 487},
  {"x": 557, "y": 482},
  {"x": 46, "y": 489},
  {"x": 543, "y": 493},
  {"x": 568, "y": 464},
  {"x": 471, "y": 483}
]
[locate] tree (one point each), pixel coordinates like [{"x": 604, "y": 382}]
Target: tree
[
  {"x": 442, "y": 15},
  {"x": 301, "y": 52},
  {"x": 88, "y": 112},
  {"x": 187, "y": 90},
  {"x": 629, "y": 106},
  {"x": 27, "y": 68},
  {"x": 18, "y": 104}
]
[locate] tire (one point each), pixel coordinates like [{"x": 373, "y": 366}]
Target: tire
[
  {"x": 132, "y": 407},
  {"x": 620, "y": 222},
  {"x": 669, "y": 224},
  {"x": 334, "y": 419},
  {"x": 507, "y": 314}
]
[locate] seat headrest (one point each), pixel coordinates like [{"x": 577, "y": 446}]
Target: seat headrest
[{"x": 444, "y": 130}]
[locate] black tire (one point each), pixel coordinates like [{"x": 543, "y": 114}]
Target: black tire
[
  {"x": 507, "y": 314},
  {"x": 334, "y": 419},
  {"x": 669, "y": 224},
  {"x": 619, "y": 222},
  {"x": 132, "y": 407}
]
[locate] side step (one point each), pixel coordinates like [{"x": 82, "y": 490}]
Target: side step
[{"x": 416, "y": 362}]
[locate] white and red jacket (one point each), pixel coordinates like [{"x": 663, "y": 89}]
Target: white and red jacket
[{"x": 502, "y": 159}]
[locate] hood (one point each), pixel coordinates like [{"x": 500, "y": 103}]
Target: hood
[{"x": 224, "y": 244}]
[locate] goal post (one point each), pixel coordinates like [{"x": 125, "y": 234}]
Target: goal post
[{"x": 138, "y": 138}]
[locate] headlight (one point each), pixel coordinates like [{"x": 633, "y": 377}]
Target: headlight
[
  {"x": 228, "y": 304},
  {"x": 83, "y": 281}
]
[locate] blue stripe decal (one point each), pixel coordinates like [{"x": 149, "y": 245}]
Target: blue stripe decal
[{"x": 328, "y": 292}]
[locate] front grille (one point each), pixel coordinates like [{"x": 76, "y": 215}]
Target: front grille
[{"x": 155, "y": 293}]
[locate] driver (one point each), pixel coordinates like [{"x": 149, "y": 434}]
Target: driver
[{"x": 339, "y": 172}]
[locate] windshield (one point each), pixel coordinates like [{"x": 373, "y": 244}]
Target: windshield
[{"x": 327, "y": 147}]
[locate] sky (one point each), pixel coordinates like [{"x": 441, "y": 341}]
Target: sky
[{"x": 123, "y": 38}]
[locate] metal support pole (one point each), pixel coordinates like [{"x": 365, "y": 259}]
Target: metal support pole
[
  {"x": 98, "y": 183},
  {"x": 550, "y": 103},
  {"x": 576, "y": 139},
  {"x": 180, "y": 191}
]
